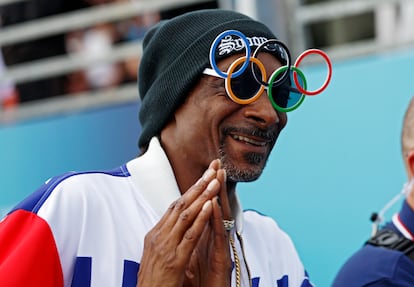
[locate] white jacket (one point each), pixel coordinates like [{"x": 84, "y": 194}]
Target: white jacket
[{"x": 93, "y": 224}]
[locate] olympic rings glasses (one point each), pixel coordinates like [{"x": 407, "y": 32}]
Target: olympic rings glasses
[{"x": 245, "y": 79}]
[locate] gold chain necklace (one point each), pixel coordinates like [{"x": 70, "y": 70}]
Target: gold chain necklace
[{"x": 237, "y": 260}]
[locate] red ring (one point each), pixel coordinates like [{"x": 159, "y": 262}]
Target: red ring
[{"x": 328, "y": 77}]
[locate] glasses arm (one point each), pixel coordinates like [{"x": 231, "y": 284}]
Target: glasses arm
[
  {"x": 294, "y": 90},
  {"x": 211, "y": 72}
]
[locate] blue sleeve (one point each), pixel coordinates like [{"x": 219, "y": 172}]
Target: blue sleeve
[{"x": 376, "y": 266}]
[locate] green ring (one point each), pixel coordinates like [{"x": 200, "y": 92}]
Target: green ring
[{"x": 269, "y": 90}]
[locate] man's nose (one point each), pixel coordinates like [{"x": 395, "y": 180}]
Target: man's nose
[{"x": 262, "y": 111}]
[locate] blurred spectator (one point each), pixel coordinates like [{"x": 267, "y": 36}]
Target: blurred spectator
[
  {"x": 133, "y": 30},
  {"x": 8, "y": 92},
  {"x": 91, "y": 43},
  {"x": 95, "y": 42},
  {"x": 18, "y": 53},
  {"x": 136, "y": 27}
]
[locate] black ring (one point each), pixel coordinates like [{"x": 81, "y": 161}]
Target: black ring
[{"x": 288, "y": 63}]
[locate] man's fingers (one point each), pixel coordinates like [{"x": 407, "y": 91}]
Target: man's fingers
[
  {"x": 193, "y": 234},
  {"x": 224, "y": 198},
  {"x": 183, "y": 212},
  {"x": 217, "y": 218},
  {"x": 169, "y": 219},
  {"x": 186, "y": 218}
]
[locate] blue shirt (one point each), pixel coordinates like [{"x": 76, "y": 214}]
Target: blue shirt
[{"x": 375, "y": 266}]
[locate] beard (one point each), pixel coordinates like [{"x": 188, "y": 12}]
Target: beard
[
  {"x": 253, "y": 163},
  {"x": 237, "y": 174}
]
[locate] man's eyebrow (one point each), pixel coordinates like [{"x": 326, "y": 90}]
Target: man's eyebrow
[{"x": 214, "y": 82}]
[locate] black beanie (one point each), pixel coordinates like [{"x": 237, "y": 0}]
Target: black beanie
[{"x": 175, "y": 53}]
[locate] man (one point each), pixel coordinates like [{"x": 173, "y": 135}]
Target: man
[
  {"x": 170, "y": 217},
  {"x": 387, "y": 259}
]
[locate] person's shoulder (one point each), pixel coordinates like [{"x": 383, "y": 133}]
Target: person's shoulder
[
  {"x": 265, "y": 226},
  {"x": 252, "y": 216},
  {"x": 89, "y": 178},
  {"x": 70, "y": 185},
  {"x": 377, "y": 266},
  {"x": 257, "y": 219}
]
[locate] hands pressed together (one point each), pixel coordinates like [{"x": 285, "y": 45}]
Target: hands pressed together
[{"x": 189, "y": 245}]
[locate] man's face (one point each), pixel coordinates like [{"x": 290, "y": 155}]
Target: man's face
[{"x": 210, "y": 125}]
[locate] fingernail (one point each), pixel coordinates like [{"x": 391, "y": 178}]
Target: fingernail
[
  {"x": 213, "y": 164},
  {"x": 208, "y": 174},
  {"x": 213, "y": 185},
  {"x": 206, "y": 205},
  {"x": 198, "y": 181}
]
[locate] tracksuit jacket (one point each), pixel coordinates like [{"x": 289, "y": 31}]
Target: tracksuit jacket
[{"x": 85, "y": 229}]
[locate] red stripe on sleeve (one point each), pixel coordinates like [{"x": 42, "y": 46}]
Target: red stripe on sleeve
[{"x": 28, "y": 253}]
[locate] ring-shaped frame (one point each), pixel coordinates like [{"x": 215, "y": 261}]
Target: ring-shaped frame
[
  {"x": 214, "y": 46},
  {"x": 288, "y": 62},
  {"x": 272, "y": 78},
  {"x": 328, "y": 76},
  {"x": 227, "y": 81}
]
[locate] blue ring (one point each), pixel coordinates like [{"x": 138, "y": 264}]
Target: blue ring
[{"x": 213, "y": 49}]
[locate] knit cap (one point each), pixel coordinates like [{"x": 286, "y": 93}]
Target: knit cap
[{"x": 175, "y": 53}]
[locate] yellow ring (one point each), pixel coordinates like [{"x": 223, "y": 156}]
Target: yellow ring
[{"x": 230, "y": 70}]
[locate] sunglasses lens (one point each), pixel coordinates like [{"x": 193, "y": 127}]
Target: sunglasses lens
[
  {"x": 285, "y": 96},
  {"x": 279, "y": 50},
  {"x": 245, "y": 86}
]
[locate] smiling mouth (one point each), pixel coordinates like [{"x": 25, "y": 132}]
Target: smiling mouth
[{"x": 250, "y": 141}]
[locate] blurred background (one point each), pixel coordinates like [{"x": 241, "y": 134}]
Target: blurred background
[{"x": 69, "y": 101}]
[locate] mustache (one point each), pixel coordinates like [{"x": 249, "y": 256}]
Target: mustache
[{"x": 269, "y": 135}]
